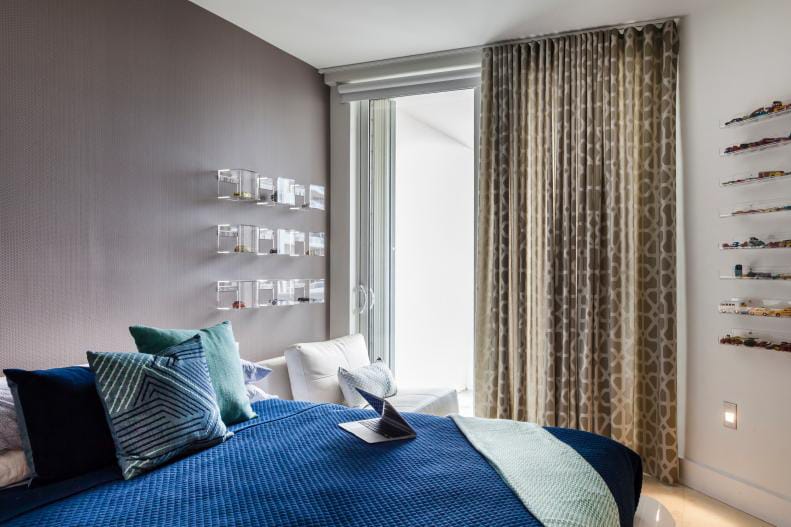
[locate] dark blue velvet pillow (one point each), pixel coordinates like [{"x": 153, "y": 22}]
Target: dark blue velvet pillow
[{"x": 61, "y": 421}]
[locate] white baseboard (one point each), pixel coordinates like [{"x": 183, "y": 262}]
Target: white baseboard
[{"x": 761, "y": 503}]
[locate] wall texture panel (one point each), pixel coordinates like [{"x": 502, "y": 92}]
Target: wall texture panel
[{"x": 114, "y": 115}]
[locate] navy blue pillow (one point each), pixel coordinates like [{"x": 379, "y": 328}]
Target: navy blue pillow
[{"x": 61, "y": 421}]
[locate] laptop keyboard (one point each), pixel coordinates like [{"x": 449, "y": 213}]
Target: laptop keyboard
[{"x": 380, "y": 427}]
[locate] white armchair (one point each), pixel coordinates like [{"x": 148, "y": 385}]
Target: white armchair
[{"x": 312, "y": 373}]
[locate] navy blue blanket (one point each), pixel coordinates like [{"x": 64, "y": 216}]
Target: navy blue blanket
[{"x": 292, "y": 466}]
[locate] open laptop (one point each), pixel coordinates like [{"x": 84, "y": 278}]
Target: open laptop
[{"x": 390, "y": 426}]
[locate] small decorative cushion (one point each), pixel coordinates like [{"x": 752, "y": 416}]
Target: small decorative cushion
[
  {"x": 61, "y": 422},
  {"x": 253, "y": 372},
  {"x": 13, "y": 468},
  {"x": 9, "y": 431},
  {"x": 222, "y": 356},
  {"x": 375, "y": 378},
  {"x": 255, "y": 394},
  {"x": 159, "y": 407}
]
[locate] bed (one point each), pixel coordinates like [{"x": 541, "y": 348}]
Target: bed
[{"x": 293, "y": 466}]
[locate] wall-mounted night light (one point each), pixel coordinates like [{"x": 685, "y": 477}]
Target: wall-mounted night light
[{"x": 729, "y": 415}]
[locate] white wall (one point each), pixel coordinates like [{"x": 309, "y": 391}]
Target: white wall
[
  {"x": 434, "y": 258},
  {"x": 735, "y": 56}
]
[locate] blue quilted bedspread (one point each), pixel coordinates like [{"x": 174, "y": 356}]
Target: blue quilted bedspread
[{"x": 292, "y": 466}]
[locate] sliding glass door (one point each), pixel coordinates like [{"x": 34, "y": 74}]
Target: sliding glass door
[
  {"x": 376, "y": 240},
  {"x": 416, "y": 247}
]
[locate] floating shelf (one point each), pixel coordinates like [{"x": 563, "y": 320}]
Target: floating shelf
[
  {"x": 257, "y": 294},
  {"x": 316, "y": 244},
  {"x": 747, "y": 272},
  {"x": 262, "y": 241},
  {"x": 758, "y": 207},
  {"x": 757, "y": 146},
  {"x": 766, "y": 241},
  {"x": 767, "y": 340},
  {"x": 756, "y": 307},
  {"x": 767, "y": 176},
  {"x": 776, "y": 109},
  {"x": 236, "y": 184}
]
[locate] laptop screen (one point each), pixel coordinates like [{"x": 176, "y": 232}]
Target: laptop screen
[{"x": 386, "y": 410}]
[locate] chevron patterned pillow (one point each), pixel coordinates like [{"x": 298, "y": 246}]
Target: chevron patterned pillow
[
  {"x": 374, "y": 378},
  {"x": 159, "y": 407}
]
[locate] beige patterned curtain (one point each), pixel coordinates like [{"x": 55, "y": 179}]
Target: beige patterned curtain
[{"x": 576, "y": 263}]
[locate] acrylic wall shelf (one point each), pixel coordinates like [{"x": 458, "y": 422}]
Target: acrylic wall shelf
[
  {"x": 776, "y": 109},
  {"x": 748, "y": 272},
  {"x": 760, "y": 145},
  {"x": 760, "y": 242},
  {"x": 237, "y": 239},
  {"x": 316, "y": 197},
  {"x": 237, "y": 184},
  {"x": 762, "y": 340},
  {"x": 237, "y": 294},
  {"x": 262, "y": 241},
  {"x": 757, "y": 207},
  {"x": 258, "y": 294},
  {"x": 756, "y": 307},
  {"x": 766, "y": 176},
  {"x": 316, "y": 244}
]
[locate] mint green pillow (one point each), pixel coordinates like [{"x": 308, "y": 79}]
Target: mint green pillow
[{"x": 222, "y": 356}]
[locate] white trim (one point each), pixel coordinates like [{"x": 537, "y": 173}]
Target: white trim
[
  {"x": 397, "y": 81},
  {"x": 412, "y": 89},
  {"x": 456, "y": 59},
  {"x": 744, "y": 495},
  {"x": 343, "y": 193}
]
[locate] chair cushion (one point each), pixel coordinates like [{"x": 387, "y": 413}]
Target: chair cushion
[
  {"x": 313, "y": 367},
  {"x": 432, "y": 401}
]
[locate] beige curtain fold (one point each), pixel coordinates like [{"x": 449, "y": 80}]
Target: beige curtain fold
[{"x": 576, "y": 299}]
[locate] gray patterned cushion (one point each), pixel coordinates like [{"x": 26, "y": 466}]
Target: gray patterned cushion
[
  {"x": 374, "y": 378},
  {"x": 159, "y": 407},
  {"x": 9, "y": 432}
]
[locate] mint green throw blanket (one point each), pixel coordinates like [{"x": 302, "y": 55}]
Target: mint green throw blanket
[{"x": 553, "y": 481}]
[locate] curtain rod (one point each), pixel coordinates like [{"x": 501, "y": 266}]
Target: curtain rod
[
  {"x": 619, "y": 27},
  {"x": 474, "y": 49}
]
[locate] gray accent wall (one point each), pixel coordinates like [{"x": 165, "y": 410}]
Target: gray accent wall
[{"x": 114, "y": 117}]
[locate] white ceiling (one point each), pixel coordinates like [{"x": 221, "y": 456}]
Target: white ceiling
[{"x": 327, "y": 33}]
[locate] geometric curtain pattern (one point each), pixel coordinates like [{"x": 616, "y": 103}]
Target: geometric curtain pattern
[
  {"x": 158, "y": 407},
  {"x": 576, "y": 256}
]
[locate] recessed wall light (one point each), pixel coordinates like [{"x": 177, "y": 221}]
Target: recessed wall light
[{"x": 729, "y": 415}]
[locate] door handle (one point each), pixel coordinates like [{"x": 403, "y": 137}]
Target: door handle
[
  {"x": 362, "y": 294},
  {"x": 373, "y": 299}
]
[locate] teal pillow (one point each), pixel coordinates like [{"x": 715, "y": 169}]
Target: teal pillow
[
  {"x": 159, "y": 407},
  {"x": 222, "y": 356}
]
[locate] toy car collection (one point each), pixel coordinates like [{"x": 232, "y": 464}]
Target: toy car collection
[
  {"x": 755, "y": 243},
  {"x": 744, "y": 307},
  {"x": 739, "y": 273},
  {"x": 753, "y": 342},
  {"x": 766, "y": 175},
  {"x": 761, "y": 210},
  {"x": 766, "y": 141},
  {"x": 775, "y": 107}
]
